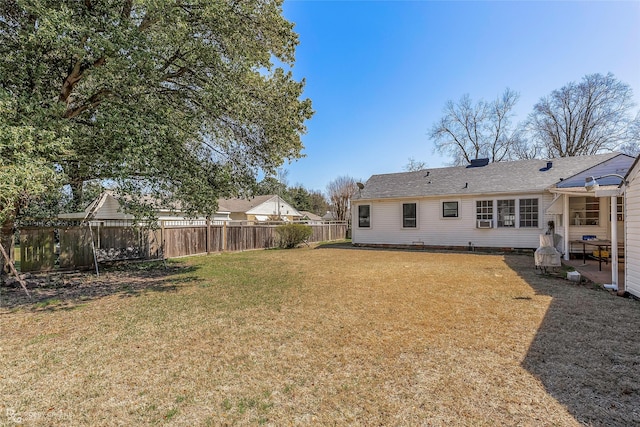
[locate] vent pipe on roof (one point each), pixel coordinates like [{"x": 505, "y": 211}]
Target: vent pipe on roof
[
  {"x": 549, "y": 166},
  {"x": 478, "y": 163}
]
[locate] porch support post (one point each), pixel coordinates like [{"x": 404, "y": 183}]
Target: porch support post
[
  {"x": 565, "y": 225},
  {"x": 614, "y": 241}
]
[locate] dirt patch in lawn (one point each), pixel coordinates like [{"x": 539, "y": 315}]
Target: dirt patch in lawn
[
  {"x": 53, "y": 291},
  {"x": 332, "y": 336}
]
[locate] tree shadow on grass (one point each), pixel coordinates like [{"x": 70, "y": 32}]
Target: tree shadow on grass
[
  {"x": 67, "y": 291},
  {"x": 586, "y": 352}
]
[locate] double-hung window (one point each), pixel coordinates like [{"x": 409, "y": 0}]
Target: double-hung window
[
  {"x": 409, "y": 215},
  {"x": 450, "y": 209},
  {"x": 506, "y": 213},
  {"x": 364, "y": 216},
  {"x": 528, "y": 212},
  {"x": 484, "y": 210}
]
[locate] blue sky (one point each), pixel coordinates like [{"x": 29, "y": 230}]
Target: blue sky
[{"x": 380, "y": 72}]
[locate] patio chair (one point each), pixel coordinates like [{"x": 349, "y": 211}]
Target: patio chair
[{"x": 547, "y": 255}]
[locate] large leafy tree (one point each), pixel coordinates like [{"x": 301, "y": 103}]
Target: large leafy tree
[
  {"x": 26, "y": 172},
  {"x": 318, "y": 202},
  {"x": 178, "y": 99},
  {"x": 583, "y": 118}
]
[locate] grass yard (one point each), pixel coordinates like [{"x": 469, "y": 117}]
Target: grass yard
[{"x": 326, "y": 336}]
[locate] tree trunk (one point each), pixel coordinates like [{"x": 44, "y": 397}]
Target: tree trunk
[
  {"x": 7, "y": 239},
  {"x": 76, "y": 194}
]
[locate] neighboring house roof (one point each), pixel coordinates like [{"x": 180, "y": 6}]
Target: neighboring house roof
[
  {"x": 107, "y": 206},
  {"x": 243, "y": 205},
  {"x": 259, "y": 206},
  {"x": 310, "y": 216},
  {"x": 329, "y": 216},
  {"x": 501, "y": 177}
]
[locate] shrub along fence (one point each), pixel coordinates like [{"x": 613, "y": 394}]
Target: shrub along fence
[{"x": 72, "y": 245}]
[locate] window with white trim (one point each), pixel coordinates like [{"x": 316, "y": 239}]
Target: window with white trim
[
  {"x": 364, "y": 216},
  {"x": 529, "y": 212},
  {"x": 484, "y": 209},
  {"x": 450, "y": 209},
  {"x": 409, "y": 215},
  {"x": 506, "y": 213}
]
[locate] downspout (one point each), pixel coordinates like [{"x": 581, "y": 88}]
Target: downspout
[
  {"x": 565, "y": 225},
  {"x": 614, "y": 245}
]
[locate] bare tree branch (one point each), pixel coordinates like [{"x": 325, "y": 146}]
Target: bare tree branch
[
  {"x": 340, "y": 192},
  {"x": 468, "y": 131},
  {"x": 583, "y": 118}
]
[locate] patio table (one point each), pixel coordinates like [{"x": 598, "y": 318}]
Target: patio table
[{"x": 602, "y": 245}]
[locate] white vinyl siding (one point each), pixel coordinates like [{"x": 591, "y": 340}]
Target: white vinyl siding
[
  {"x": 111, "y": 209},
  {"x": 273, "y": 206},
  {"x": 434, "y": 230},
  {"x": 632, "y": 233}
]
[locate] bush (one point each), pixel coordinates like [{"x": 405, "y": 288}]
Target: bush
[{"x": 291, "y": 235}]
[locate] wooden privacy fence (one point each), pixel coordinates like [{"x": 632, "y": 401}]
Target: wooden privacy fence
[{"x": 67, "y": 247}]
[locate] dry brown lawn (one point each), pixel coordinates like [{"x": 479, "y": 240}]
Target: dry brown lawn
[{"x": 326, "y": 336}]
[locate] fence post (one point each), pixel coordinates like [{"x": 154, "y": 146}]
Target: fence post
[
  {"x": 206, "y": 239},
  {"x": 162, "y": 244},
  {"x": 224, "y": 236},
  {"x": 329, "y": 225}
]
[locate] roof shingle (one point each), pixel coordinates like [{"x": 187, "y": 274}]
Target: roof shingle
[{"x": 501, "y": 177}]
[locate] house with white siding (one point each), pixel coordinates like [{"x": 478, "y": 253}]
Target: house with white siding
[
  {"x": 259, "y": 208},
  {"x": 589, "y": 212},
  {"x": 504, "y": 205},
  {"x": 108, "y": 209},
  {"x": 632, "y": 229}
]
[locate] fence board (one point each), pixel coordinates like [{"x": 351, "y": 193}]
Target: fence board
[
  {"x": 75, "y": 248},
  {"x": 182, "y": 241},
  {"x": 216, "y": 238},
  {"x": 37, "y": 249},
  {"x": 169, "y": 241},
  {"x": 119, "y": 243}
]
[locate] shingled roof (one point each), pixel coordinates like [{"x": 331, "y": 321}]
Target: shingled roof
[
  {"x": 242, "y": 205},
  {"x": 502, "y": 177}
]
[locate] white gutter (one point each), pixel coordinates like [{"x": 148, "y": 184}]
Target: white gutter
[{"x": 565, "y": 224}]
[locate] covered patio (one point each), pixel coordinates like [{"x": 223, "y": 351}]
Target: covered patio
[
  {"x": 590, "y": 217},
  {"x": 591, "y": 270}
]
